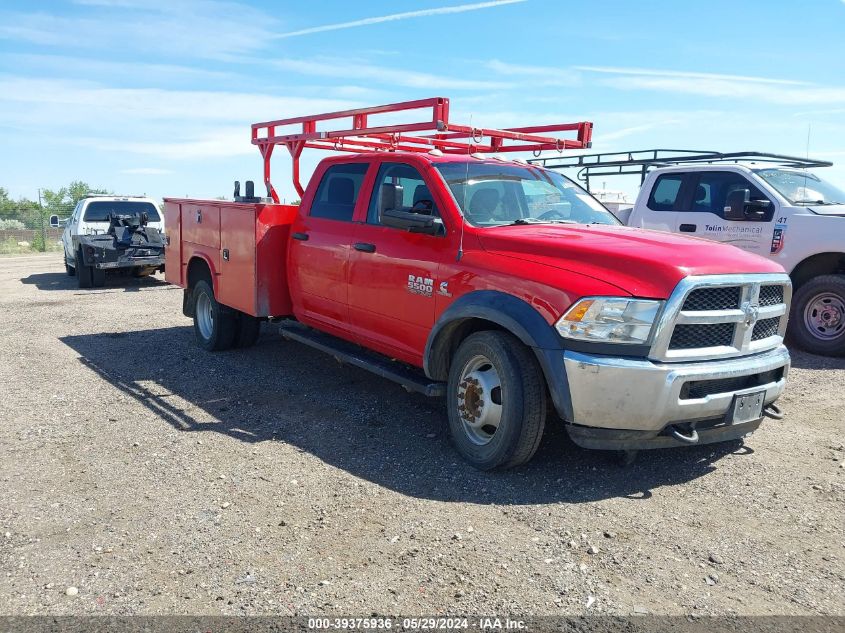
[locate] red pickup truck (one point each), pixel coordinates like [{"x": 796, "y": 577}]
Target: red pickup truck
[{"x": 503, "y": 286}]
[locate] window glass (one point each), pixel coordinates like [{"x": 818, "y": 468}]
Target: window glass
[
  {"x": 497, "y": 193},
  {"x": 400, "y": 186},
  {"x": 714, "y": 187},
  {"x": 338, "y": 191},
  {"x": 802, "y": 187},
  {"x": 100, "y": 210},
  {"x": 664, "y": 195}
]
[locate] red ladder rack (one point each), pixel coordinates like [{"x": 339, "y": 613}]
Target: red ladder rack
[{"x": 437, "y": 133}]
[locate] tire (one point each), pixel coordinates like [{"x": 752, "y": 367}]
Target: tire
[
  {"x": 98, "y": 277},
  {"x": 83, "y": 272},
  {"x": 215, "y": 325},
  {"x": 484, "y": 364},
  {"x": 249, "y": 329},
  {"x": 817, "y": 317},
  {"x": 70, "y": 270}
]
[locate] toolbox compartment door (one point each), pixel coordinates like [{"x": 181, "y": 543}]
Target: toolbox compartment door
[
  {"x": 173, "y": 247},
  {"x": 237, "y": 283}
]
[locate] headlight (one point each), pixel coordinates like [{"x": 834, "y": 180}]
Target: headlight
[{"x": 609, "y": 320}]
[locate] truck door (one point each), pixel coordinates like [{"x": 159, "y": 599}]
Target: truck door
[
  {"x": 320, "y": 243},
  {"x": 393, "y": 277},
  {"x": 703, "y": 212}
]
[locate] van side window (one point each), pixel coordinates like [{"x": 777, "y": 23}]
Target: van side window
[
  {"x": 714, "y": 187},
  {"x": 338, "y": 191},
  {"x": 400, "y": 186},
  {"x": 664, "y": 194}
]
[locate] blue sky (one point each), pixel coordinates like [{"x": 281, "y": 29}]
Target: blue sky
[{"x": 151, "y": 97}]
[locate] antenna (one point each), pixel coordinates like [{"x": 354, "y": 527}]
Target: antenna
[{"x": 464, "y": 205}]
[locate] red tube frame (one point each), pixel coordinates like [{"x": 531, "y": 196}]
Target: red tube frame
[{"x": 450, "y": 138}]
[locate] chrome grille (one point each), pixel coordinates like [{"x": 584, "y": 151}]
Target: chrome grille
[
  {"x": 713, "y": 299},
  {"x": 722, "y": 316},
  {"x": 701, "y": 335},
  {"x": 765, "y": 328},
  {"x": 771, "y": 295}
]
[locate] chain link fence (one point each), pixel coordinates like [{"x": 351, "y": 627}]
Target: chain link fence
[{"x": 28, "y": 230}]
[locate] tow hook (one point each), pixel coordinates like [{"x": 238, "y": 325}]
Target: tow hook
[
  {"x": 692, "y": 438},
  {"x": 773, "y": 411}
]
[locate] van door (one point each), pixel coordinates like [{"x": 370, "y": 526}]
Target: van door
[{"x": 704, "y": 212}]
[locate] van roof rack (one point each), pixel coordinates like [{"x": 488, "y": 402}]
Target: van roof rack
[
  {"x": 638, "y": 162},
  {"x": 429, "y": 130}
]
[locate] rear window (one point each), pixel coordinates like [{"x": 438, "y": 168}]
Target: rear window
[
  {"x": 338, "y": 191},
  {"x": 100, "y": 210}
]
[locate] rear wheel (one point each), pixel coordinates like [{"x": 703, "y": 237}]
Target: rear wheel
[
  {"x": 817, "y": 322},
  {"x": 70, "y": 270},
  {"x": 496, "y": 401},
  {"x": 215, "y": 325},
  {"x": 83, "y": 272}
]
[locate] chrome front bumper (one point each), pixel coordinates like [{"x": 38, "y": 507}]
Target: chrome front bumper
[{"x": 645, "y": 396}]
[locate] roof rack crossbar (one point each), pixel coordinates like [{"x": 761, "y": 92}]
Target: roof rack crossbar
[
  {"x": 624, "y": 163},
  {"x": 431, "y": 129}
]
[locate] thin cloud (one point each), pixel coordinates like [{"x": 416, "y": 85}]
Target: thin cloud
[
  {"x": 422, "y": 13},
  {"x": 753, "y": 89},
  {"x": 329, "y": 67},
  {"x": 146, "y": 171},
  {"x": 682, "y": 74}
]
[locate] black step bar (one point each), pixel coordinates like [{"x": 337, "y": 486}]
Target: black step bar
[{"x": 351, "y": 354}]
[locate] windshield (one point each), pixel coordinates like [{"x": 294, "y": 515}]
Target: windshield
[
  {"x": 99, "y": 211},
  {"x": 496, "y": 194},
  {"x": 802, "y": 187}
]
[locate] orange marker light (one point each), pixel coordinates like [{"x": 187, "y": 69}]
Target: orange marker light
[{"x": 577, "y": 313}]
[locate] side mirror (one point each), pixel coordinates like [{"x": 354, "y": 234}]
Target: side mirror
[
  {"x": 54, "y": 221},
  {"x": 413, "y": 222},
  {"x": 739, "y": 206}
]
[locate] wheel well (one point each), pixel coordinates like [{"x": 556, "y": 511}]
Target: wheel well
[
  {"x": 450, "y": 338},
  {"x": 820, "y": 264},
  {"x": 198, "y": 270}
]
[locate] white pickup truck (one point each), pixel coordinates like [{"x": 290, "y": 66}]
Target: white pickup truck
[{"x": 764, "y": 203}]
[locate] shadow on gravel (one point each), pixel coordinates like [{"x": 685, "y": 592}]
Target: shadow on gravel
[
  {"x": 804, "y": 360},
  {"x": 279, "y": 391},
  {"x": 115, "y": 283}
]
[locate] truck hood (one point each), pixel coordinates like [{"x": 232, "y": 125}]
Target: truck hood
[
  {"x": 829, "y": 209},
  {"x": 640, "y": 262}
]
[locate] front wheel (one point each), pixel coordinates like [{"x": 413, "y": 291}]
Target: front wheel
[
  {"x": 817, "y": 320},
  {"x": 496, "y": 400},
  {"x": 215, "y": 325}
]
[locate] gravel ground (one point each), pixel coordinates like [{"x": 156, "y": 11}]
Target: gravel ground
[{"x": 140, "y": 475}]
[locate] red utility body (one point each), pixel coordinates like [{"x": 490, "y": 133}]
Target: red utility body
[{"x": 244, "y": 246}]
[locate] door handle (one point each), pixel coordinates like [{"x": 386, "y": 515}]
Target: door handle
[
  {"x": 688, "y": 228},
  {"x": 364, "y": 247},
  {"x": 302, "y": 237}
]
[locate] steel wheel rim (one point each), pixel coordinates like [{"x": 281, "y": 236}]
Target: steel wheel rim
[
  {"x": 824, "y": 316},
  {"x": 480, "y": 400},
  {"x": 205, "y": 317}
]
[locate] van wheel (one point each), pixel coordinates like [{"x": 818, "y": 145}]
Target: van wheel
[
  {"x": 249, "y": 329},
  {"x": 496, "y": 401},
  {"x": 817, "y": 319},
  {"x": 83, "y": 272},
  {"x": 215, "y": 325}
]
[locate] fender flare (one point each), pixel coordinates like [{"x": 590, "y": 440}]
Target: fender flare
[
  {"x": 513, "y": 315},
  {"x": 187, "y": 291}
]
